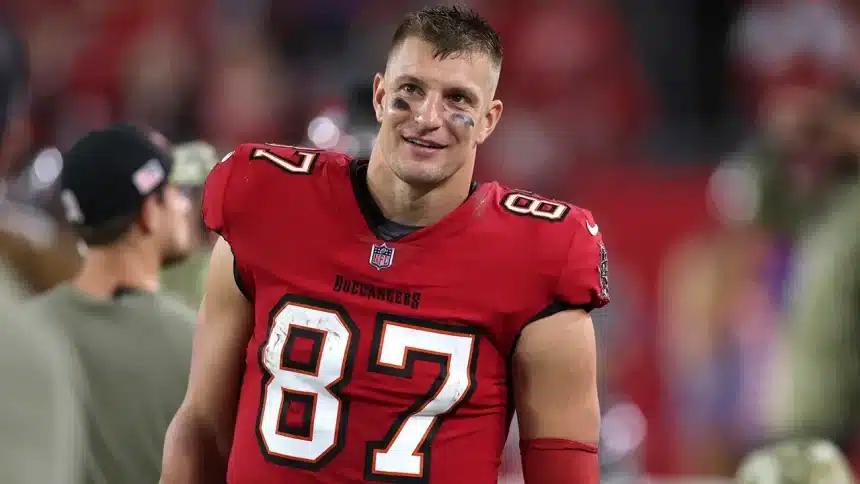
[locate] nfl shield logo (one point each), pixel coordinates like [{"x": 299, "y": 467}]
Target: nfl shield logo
[{"x": 381, "y": 256}]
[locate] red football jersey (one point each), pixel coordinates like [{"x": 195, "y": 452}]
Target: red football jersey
[{"x": 376, "y": 361}]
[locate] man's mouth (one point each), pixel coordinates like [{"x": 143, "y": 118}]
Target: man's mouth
[{"x": 423, "y": 143}]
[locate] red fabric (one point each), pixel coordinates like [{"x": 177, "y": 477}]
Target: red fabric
[{"x": 551, "y": 461}]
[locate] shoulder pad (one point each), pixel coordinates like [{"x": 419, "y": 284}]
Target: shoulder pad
[
  {"x": 253, "y": 171},
  {"x": 584, "y": 278},
  {"x": 294, "y": 160},
  {"x": 570, "y": 240}
]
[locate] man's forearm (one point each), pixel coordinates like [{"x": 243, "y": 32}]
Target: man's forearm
[{"x": 192, "y": 454}]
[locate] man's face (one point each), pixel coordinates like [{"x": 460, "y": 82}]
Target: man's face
[
  {"x": 434, "y": 112},
  {"x": 177, "y": 232}
]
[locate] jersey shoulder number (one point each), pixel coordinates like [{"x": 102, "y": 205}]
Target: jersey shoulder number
[
  {"x": 527, "y": 204},
  {"x": 572, "y": 241},
  {"x": 294, "y": 160}
]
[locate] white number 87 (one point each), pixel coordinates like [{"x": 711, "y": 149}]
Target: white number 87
[{"x": 319, "y": 384}]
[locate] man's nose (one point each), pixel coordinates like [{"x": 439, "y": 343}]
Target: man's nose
[{"x": 429, "y": 113}]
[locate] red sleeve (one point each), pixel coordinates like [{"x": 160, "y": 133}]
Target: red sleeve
[
  {"x": 584, "y": 278},
  {"x": 551, "y": 461},
  {"x": 215, "y": 194}
]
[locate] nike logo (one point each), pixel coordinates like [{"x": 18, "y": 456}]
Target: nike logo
[{"x": 592, "y": 229}]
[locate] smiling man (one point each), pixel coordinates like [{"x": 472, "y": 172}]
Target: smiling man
[{"x": 367, "y": 321}]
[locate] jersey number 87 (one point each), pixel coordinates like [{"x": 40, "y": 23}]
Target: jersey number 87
[{"x": 318, "y": 384}]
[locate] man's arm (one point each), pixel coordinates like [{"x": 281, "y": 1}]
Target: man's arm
[
  {"x": 199, "y": 438},
  {"x": 555, "y": 388}
]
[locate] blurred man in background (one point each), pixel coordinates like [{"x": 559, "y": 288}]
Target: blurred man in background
[
  {"x": 13, "y": 88},
  {"x": 736, "y": 293},
  {"x": 185, "y": 279},
  {"x": 34, "y": 247},
  {"x": 39, "y": 413},
  {"x": 134, "y": 344},
  {"x": 822, "y": 393}
]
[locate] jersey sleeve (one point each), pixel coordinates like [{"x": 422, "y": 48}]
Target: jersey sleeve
[
  {"x": 244, "y": 178},
  {"x": 584, "y": 279},
  {"x": 222, "y": 203},
  {"x": 215, "y": 193}
]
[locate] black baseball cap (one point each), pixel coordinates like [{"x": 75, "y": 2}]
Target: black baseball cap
[{"x": 108, "y": 174}]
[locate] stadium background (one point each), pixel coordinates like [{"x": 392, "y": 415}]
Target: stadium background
[{"x": 700, "y": 134}]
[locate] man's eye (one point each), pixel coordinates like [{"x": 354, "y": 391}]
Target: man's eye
[
  {"x": 410, "y": 88},
  {"x": 458, "y": 98}
]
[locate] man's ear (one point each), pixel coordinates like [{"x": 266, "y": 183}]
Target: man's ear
[
  {"x": 379, "y": 95},
  {"x": 491, "y": 119},
  {"x": 150, "y": 213}
]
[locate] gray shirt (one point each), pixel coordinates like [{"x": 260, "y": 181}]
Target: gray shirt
[
  {"x": 41, "y": 427},
  {"x": 135, "y": 354}
]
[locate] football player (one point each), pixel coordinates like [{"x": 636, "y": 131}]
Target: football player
[{"x": 379, "y": 321}]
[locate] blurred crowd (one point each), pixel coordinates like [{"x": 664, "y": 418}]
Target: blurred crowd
[{"x": 717, "y": 145}]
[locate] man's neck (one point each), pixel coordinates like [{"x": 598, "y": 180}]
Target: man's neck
[
  {"x": 105, "y": 271},
  {"x": 410, "y": 205}
]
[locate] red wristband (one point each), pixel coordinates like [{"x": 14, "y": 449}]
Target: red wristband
[{"x": 559, "y": 461}]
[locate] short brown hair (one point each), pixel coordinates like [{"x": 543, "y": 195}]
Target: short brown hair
[
  {"x": 114, "y": 229},
  {"x": 451, "y": 30}
]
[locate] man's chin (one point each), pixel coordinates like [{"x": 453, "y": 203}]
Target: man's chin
[
  {"x": 419, "y": 173},
  {"x": 419, "y": 169}
]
